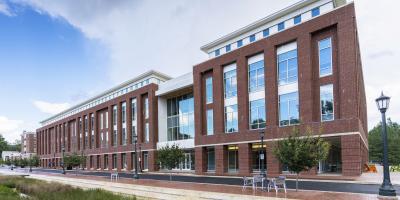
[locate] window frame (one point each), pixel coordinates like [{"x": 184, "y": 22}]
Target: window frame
[
  {"x": 333, "y": 102},
  {"x": 288, "y": 108},
  {"x": 258, "y": 87}
]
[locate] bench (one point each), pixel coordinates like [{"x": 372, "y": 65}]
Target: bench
[{"x": 114, "y": 176}]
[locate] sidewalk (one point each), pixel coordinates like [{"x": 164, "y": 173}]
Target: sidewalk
[{"x": 156, "y": 189}]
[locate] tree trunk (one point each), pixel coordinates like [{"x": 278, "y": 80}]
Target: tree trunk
[
  {"x": 297, "y": 182},
  {"x": 170, "y": 175}
]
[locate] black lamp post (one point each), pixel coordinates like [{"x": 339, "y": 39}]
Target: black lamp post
[
  {"x": 136, "y": 175},
  {"x": 386, "y": 188},
  {"x": 62, "y": 164},
  {"x": 262, "y": 155},
  {"x": 30, "y": 162}
]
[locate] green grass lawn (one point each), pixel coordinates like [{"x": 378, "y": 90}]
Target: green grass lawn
[{"x": 11, "y": 187}]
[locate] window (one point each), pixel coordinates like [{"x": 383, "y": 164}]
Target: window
[
  {"x": 146, "y": 107},
  {"x": 133, "y": 109},
  {"x": 231, "y": 120},
  {"x": 228, "y": 48},
  {"x": 210, "y": 159},
  {"x": 123, "y": 112},
  {"x": 256, "y": 76},
  {"x": 145, "y": 160},
  {"x": 252, "y": 38},
  {"x": 230, "y": 84},
  {"x": 289, "y": 109},
  {"x": 124, "y": 136},
  {"x": 239, "y": 43},
  {"x": 266, "y": 32},
  {"x": 92, "y": 142},
  {"x": 233, "y": 159},
  {"x": 114, "y": 161},
  {"x": 101, "y": 121},
  {"x": 326, "y": 96},
  {"x": 210, "y": 122},
  {"x": 114, "y": 119},
  {"x": 102, "y": 139},
  {"x": 209, "y": 90},
  {"x": 105, "y": 161},
  {"x": 258, "y": 161},
  {"x": 180, "y": 117},
  {"x": 217, "y": 52},
  {"x": 325, "y": 57},
  {"x": 123, "y": 161},
  {"x": 315, "y": 12},
  {"x": 287, "y": 67},
  {"x": 146, "y": 132},
  {"x": 106, "y": 139},
  {"x": 114, "y": 138},
  {"x": 257, "y": 114},
  {"x": 134, "y": 122},
  {"x": 107, "y": 119},
  {"x": 281, "y": 26},
  {"x": 297, "y": 19}
]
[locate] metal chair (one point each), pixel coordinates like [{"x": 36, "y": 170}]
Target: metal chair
[
  {"x": 257, "y": 179},
  {"x": 277, "y": 183},
  {"x": 114, "y": 176},
  {"x": 247, "y": 181}
]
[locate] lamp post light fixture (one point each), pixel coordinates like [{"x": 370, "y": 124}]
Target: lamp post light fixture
[
  {"x": 386, "y": 188},
  {"x": 262, "y": 154},
  {"x": 136, "y": 175},
  {"x": 62, "y": 164}
]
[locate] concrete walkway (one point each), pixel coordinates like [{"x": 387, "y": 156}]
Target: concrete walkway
[{"x": 156, "y": 189}]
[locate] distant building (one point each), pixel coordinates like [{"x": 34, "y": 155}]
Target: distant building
[
  {"x": 6, "y": 155},
  {"x": 28, "y": 143}
]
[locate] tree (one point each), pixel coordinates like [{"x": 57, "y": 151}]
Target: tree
[
  {"x": 3, "y": 145},
  {"x": 34, "y": 161},
  {"x": 73, "y": 160},
  {"x": 170, "y": 157},
  {"x": 376, "y": 147},
  {"x": 301, "y": 153}
]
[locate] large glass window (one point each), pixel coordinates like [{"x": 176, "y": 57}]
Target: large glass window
[
  {"x": 326, "y": 95},
  {"x": 230, "y": 84},
  {"x": 257, "y": 114},
  {"x": 93, "y": 145},
  {"x": 123, "y": 108},
  {"x": 114, "y": 138},
  {"x": 107, "y": 119},
  {"x": 114, "y": 161},
  {"x": 134, "y": 122},
  {"x": 101, "y": 121},
  {"x": 124, "y": 164},
  {"x": 289, "y": 109},
  {"x": 124, "y": 136},
  {"x": 180, "y": 117},
  {"x": 210, "y": 122},
  {"x": 210, "y": 159},
  {"x": 231, "y": 119},
  {"x": 147, "y": 132},
  {"x": 105, "y": 162},
  {"x": 209, "y": 90},
  {"x": 146, "y": 108},
  {"x": 233, "y": 158},
  {"x": 287, "y": 67},
  {"x": 256, "y": 76},
  {"x": 114, "y": 119},
  {"x": 258, "y": 160},
  {"x": 145, "y": 160},
  {"x": 325, "y": 57}
]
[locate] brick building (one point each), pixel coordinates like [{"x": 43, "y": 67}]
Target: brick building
[
  {"x": 28, "y": 142},
  {"x": 299, "y": 67}
]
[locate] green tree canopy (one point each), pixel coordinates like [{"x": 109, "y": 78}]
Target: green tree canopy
[
  {"x": 74, "y": 160},
  {"x": 170, "y": 157},
  {"x": 376, "y": 145},
  {"x": 301, "y": 153}
]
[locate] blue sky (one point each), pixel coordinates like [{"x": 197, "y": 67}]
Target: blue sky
[{"x": 54, "y": 54}]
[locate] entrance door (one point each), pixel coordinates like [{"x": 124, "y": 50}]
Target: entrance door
[{"x": 187, "y": 162}]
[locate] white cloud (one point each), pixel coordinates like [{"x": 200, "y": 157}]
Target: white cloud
[
  {"x": 5, "y": 9},
  {"x": 51, "y": 108},
  {"x": 10, "y": 129}
]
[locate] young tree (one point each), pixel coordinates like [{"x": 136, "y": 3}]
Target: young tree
[
  {"x": 301, "y": 153},
  {"x": 375, "y": 143},
  {"x": 170, "y": 157}
]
